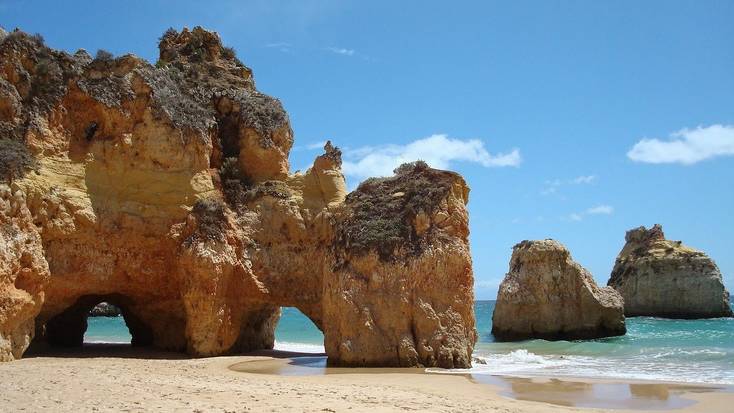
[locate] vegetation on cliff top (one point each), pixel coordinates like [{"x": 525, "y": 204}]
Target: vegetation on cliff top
[
  {"x": 44, "y": 78},
  {"x": 194, "y": 73},
  {"x": 382, "y": 210}
]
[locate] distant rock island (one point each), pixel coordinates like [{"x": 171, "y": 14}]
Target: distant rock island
[
  {"x": 547, "y": 295},
  {"x": 165, "y": 190},
  {"x": 105, "y": 310},
  {"x": 663, "y": 278}
]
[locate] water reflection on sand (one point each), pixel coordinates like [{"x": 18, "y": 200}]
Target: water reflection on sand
[{"x": 565, "y": 392}]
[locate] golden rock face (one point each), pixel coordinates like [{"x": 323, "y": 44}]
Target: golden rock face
[
  {"x": 130, "y": 204},
  {"x": 547, "y": 295},
  {"x": 664, "y": 278}
]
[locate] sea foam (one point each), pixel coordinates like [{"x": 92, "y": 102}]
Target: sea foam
[{"x": 299, "y": 347}]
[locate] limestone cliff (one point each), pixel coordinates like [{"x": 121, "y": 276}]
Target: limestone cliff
[
  {"x": 165, "y": 190},
  {"x": 23, "y": 274},
  {"x": 400, "y": 283},
  {"x": 663, "y": 278},
  {"x": 548, "y": 295}
]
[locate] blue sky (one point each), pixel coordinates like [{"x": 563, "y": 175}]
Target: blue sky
[{"x": 571, "y": 120}]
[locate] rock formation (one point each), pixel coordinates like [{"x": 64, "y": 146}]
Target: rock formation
[
  {"x": 548, "y": 295},
  {"x": 105, "y": 310},
  {"x": 24, "y": 274},
  {"x": 663, "y": 278},
  {"x": 165, "y": 190}
]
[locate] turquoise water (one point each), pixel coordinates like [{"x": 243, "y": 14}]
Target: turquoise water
[
  {"x": 296, "y": 332},
  {"x": 106, "y": 330},
  {"x": 693, "y": 351}
]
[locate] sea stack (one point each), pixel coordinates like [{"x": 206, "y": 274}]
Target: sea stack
[
  {"x": 548, "y": 295},
  {"x": 105, "y": 310},
  {"x": 663, "y": 278}
]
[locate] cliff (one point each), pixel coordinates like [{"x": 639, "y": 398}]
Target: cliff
[
  {"x": 547, "y": 295},
  {"x": 664, "y": 278},
  {"x": 165, "y": 190}
]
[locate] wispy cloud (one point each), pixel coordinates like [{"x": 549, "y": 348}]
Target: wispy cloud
[
  {"x": 489, "y": 283},
  {"x": 310, "y": 146},
  {"x": 602, "y": 209},
  {"x": 281, "y": 46},
  {"x": 439, "y": 151},
  {"x": 584, "y": 179},
  {"x": 484, "y": 284},
  {"x": 316, "y": 145},
  {"x": 552, "y": 186},
  {"x": 686, "y": 146},
  {"x": 341, "y": 51}
]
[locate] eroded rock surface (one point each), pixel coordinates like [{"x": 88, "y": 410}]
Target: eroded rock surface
[
  {"x": 165, "y": 190},
  {"x": 547, "y": 295},
  {"x": 664, "y": 278},
  {"x": 23, "y": 274}
]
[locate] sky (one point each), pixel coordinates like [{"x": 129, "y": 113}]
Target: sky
[{"x": 571, "y": 120}]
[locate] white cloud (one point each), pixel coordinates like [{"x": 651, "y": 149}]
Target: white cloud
[
  {"x": 485, "y": 284},
  {"x": 551, "y": 187},
  {"x": 439, "y": 151},
  {"x": 282, "y": 46},
  {"x": 341, "y": 51},
  {"x": 278, "y": 44},
  {"x": 597, "y": 210},
  {"x": 600, "y": 210},
  {"x": 584, "y": 179},
  {"x": 490, "y": 283},
  {"x": 316, "y": 145},
  {"x": 687, "y": 146},
  {"x": 309, "y": 147},
  {"x": 575, "y": 217}
]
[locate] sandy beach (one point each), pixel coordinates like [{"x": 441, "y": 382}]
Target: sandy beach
[{"x": 118, "y": 378}]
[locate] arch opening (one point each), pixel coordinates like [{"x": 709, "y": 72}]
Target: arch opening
[
  {"x": 296, "y": 332},
  {"x": 69, "y": 327},
  {"x": 105, "y": 324}
]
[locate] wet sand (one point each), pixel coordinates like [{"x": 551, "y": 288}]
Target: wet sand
[
  {"x": 120, "y": 378},
  {"x": 572, "y": 392}
]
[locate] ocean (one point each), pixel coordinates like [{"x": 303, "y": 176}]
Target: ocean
[{"x": 689, "y": 351}]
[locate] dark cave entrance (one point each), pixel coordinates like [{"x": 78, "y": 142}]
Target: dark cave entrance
[
  {"x": 68, "y": 328},
  {"x": 296, "y": 332}
]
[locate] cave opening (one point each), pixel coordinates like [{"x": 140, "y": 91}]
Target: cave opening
[
  {"x": 75, "y": 326},
  {"x": 296, "y": 332},
  {"x": 105, "y": 324}
]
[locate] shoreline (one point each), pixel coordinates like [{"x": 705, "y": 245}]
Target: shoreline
[
  {"x": 118, "y": 377},
  {"x": 583, "y": 392},
  {"x": 291, "y": 347}
]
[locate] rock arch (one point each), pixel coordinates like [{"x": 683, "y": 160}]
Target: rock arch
[
  {"x": 181, "y": 207},
  {"x": 67, "y": 328}
]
